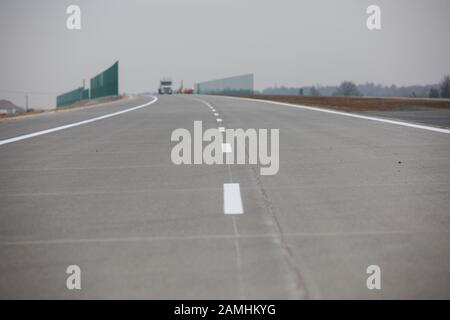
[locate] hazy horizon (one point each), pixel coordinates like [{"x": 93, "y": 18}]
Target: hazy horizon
[{"x": 288, "y": 42}]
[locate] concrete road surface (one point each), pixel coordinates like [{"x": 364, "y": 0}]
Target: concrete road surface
[{"x": 105, "y": 196}]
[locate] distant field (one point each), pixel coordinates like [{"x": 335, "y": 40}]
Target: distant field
[{"x": 358, "y": 103}]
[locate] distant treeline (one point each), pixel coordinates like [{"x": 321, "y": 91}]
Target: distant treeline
[{"x": 348, "y": 88}]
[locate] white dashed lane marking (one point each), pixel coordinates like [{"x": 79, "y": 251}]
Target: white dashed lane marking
[
  {"x": 226, "y": 147},
  {"x": 232, "y": 202}
]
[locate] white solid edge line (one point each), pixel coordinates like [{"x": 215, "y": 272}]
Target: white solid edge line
[
  {"x": 400, "y": 123},
  {"x": 226, "y": 147},
  {"x": 232, "y": 202},
  {"x": 40, "y": 133}
]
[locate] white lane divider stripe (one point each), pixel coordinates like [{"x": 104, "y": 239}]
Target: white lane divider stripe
[
  {"x": 216, "y": 114},
  {"x": 232, "y": 202},
  {"x": 40, "y": 133},
  {"x": 226, "y": 147},
  {"x": 219, "y": 120}
]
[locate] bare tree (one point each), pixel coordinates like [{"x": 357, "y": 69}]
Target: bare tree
[
  {"x": 445, "y": 87},
  {"x": 434, "y": 93},
  {"x": 314, "y": 92},
  {"x": 347, "y": 88}
]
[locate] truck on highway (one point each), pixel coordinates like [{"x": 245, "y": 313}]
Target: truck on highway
[{"x": 165, "y": 86}]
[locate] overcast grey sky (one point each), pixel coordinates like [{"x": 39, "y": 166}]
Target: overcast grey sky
[{"x": 289, "y": 42}]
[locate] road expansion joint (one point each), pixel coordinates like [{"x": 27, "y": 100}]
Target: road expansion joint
[{"x": 297, "y": 273}]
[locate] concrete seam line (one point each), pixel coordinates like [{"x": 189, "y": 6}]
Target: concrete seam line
[
  {"x": 40, "y": 133},
  {"x": 400, "y": 123}
]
